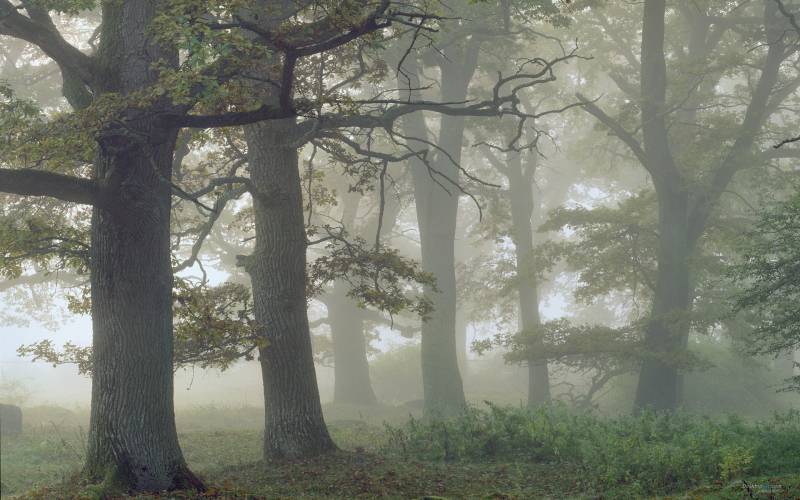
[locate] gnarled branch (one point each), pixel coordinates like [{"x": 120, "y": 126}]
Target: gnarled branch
[{"x": 40, "y": 31}]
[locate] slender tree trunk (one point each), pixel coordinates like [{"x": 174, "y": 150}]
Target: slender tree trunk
[
  {"x": 133, "y": 444},
  {"x": 294, "y": 425},
  {"x": 522, "y": 203},
  {"x": 351, "y": 368},
  {"x": 437, "y": 211},
  {"x": 351, "y": 384}
]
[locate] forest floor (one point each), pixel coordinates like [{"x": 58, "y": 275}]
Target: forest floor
[{"x": 226, "y": 453}]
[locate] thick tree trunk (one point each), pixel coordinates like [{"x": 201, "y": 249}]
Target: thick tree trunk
[
  {"x": 133, "y": 443},
  {"x": 668, "y": 329},
  {"x": 294, "y": 424},
  {"x": 351, "y": 368},
  {"x": 522, "y": 203}
]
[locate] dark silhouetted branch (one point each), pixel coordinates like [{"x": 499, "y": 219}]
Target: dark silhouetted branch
[{"x": 27, "y": 182}]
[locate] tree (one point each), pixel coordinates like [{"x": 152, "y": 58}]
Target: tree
[
  {"x": 130, "y": 104},
  {"x": 437, "y": 195},
  {"x": 520, "y": 183},
  {"x": 346, "y": 319},
  {"x": 273, "y": 152},
  {"x": 770, "y": 275},
  {"x": 294, "y": 423},
  {"x": 687, "y": 188},
  {"x": 132, "y": 437},
  {"x": 129, "y": 109}
]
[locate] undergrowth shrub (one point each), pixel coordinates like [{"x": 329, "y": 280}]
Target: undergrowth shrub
[{"x": 648, "y": 453}]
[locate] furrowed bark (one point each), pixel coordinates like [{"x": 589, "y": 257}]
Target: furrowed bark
[
  {"x": 293, "y": 420},
  {"x": 294, "y": 425},
  {"x": 132, "y": 438},
  {"x": 133, "y": 444}
]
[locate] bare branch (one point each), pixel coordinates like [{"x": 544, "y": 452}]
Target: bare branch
[
  {"x": 755, "y": 115},
  {"x": 205, "y": 229},
  {"x": 787, "y": 141}
]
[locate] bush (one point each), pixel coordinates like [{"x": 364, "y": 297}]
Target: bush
[{"x": 649, "y": 453}]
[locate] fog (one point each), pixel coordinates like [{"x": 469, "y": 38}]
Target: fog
[
  {"x": 42, "y": 384},
  {"x": 340, "y": 249}
]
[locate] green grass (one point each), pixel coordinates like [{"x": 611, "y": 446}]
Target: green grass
[
  {"x": 487, "y": 453},
  {"x": 230, "y": 461}
]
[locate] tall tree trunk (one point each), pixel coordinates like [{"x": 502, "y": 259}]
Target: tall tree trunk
[
  {"x": 133, "y": 444},
  {"x": 522, "y": 203},
  {"x": 685, "y": 206},
  {"x": 437, "y": 211},
  {"x": 132, "y": 436},
  {"x": 294, "y": 425},
  {"x": 441, "y": 379},
  {"x": 667, "y": 331},
  {"x": 658, "y": 386},
  {"x": 351, "y": 383},
  {"x": 351, "y": 368}
]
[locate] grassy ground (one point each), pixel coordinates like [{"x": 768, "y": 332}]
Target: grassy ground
[
  {"x": 40, "y": 463},
  {"x": 229, "y": 460}
]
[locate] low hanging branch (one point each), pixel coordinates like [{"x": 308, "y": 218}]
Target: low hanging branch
[
  {"x": 214, "y": 328},
  {"x": 29, "y": 182}
]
